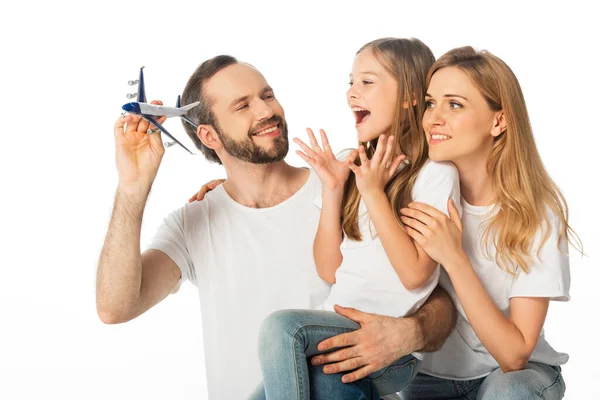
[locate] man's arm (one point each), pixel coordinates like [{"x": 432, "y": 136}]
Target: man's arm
[
  {"x": 435, "y": 320},
  {"x": 381, "y": 340},
  {"x": 129, "y": 283}
]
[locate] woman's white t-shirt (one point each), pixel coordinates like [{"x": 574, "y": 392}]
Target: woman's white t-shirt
[{"x": 463, "y": 356}]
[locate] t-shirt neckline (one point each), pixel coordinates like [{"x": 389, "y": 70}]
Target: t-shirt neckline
[{"x": 220, "y": 190}]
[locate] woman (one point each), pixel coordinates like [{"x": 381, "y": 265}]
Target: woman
[{"x": 508, "y": 257}]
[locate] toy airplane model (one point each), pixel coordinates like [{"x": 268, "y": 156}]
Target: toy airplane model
[{"x": 149, "y": 111}]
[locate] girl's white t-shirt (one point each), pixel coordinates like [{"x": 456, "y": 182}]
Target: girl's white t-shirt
[{"x": 366, "y": 280}]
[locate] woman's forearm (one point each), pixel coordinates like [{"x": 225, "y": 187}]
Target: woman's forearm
[{"x": 501, "y": 337}]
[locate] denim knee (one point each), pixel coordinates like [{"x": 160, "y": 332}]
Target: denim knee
[
  {"x": 534, "y": 382},
  {"x": 273, "y": 329},
  {"x": 510, "y": 386}
]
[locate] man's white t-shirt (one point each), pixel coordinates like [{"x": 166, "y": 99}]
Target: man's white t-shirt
[
  {"x": 366, "y": 280},
  {"x": 463, "y": 356},
  {"x": 246, "y": 264}
]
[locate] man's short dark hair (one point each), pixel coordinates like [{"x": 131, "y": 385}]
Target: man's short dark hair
[{"x": 202, "y": 113}]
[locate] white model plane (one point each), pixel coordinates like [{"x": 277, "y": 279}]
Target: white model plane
[{"x": 149, "y": 111}]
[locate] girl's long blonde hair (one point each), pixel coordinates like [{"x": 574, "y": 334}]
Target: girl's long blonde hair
[
  {"x": 408, "y": 61},
  {"x": 526, "y": 198}
]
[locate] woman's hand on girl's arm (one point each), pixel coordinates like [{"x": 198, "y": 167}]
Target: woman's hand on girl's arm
[{"x": 438, "y": 235}]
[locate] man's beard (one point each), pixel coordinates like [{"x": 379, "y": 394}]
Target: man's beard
[{"x": 247, "y": 150}]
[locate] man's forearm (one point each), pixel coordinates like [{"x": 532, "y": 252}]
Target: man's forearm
[
  {"x": 434, "y": 321},
  {"x": 381, "y": 340},
  {"x": 119, "y": 268}
]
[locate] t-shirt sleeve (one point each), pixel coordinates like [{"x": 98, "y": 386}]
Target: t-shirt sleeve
[
  {"x": 437, "y": 182},
  {"x": 549, "y": 275},
  {"x": 170, "y": 238}
]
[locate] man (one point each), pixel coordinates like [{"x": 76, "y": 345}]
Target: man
[{"x": 247, "y": 246}]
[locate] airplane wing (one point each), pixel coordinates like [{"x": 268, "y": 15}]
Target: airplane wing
[
  {"x": 151, "y": 119},
  {"x": 141, "y": 88}
]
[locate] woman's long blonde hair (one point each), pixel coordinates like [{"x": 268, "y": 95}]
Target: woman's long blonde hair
[
  {"x": 526, "y": 198},
  {"x": 408, "y": 61}
]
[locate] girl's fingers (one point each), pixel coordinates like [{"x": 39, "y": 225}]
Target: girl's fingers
[
  {"x": 363, "y": 156},
  {"x": 305, "y": 147},
  {"x": 352, "y": 156},
  {"x": 306, "y": 158},
  {"x": 380, "y": 150},
  {"x": 387, "y": 157},
  {"x": 353, "y": 167},
  {"x": 313, "y": 141},
  {"x": 325, "y": 142},
  {"x": 396, "y": 164}
]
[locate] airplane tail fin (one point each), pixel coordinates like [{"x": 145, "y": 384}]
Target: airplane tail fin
[{"x": 141, "y": 87}]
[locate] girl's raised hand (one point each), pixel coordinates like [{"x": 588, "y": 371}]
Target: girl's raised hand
[
  {"x": 332, "y": 173},
  {"x": 372, "y": 175}
]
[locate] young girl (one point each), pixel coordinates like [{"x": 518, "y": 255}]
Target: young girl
[
  {"x": 361, "y": 247},
  {"x": 508, "y": 257}
]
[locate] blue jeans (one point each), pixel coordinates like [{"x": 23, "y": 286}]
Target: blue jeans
[
  {"x": 289, "y": 337},
  {"x": 330, "y": 387},
  {"x": 535, "y": 381}
]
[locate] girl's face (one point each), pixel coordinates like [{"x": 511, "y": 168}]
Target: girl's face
[
  {"x": 458, "y": 121},
  {"x": 372, "y": 96}
]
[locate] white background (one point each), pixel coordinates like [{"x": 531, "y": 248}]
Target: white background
[{"x": 63, "y": 80}]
